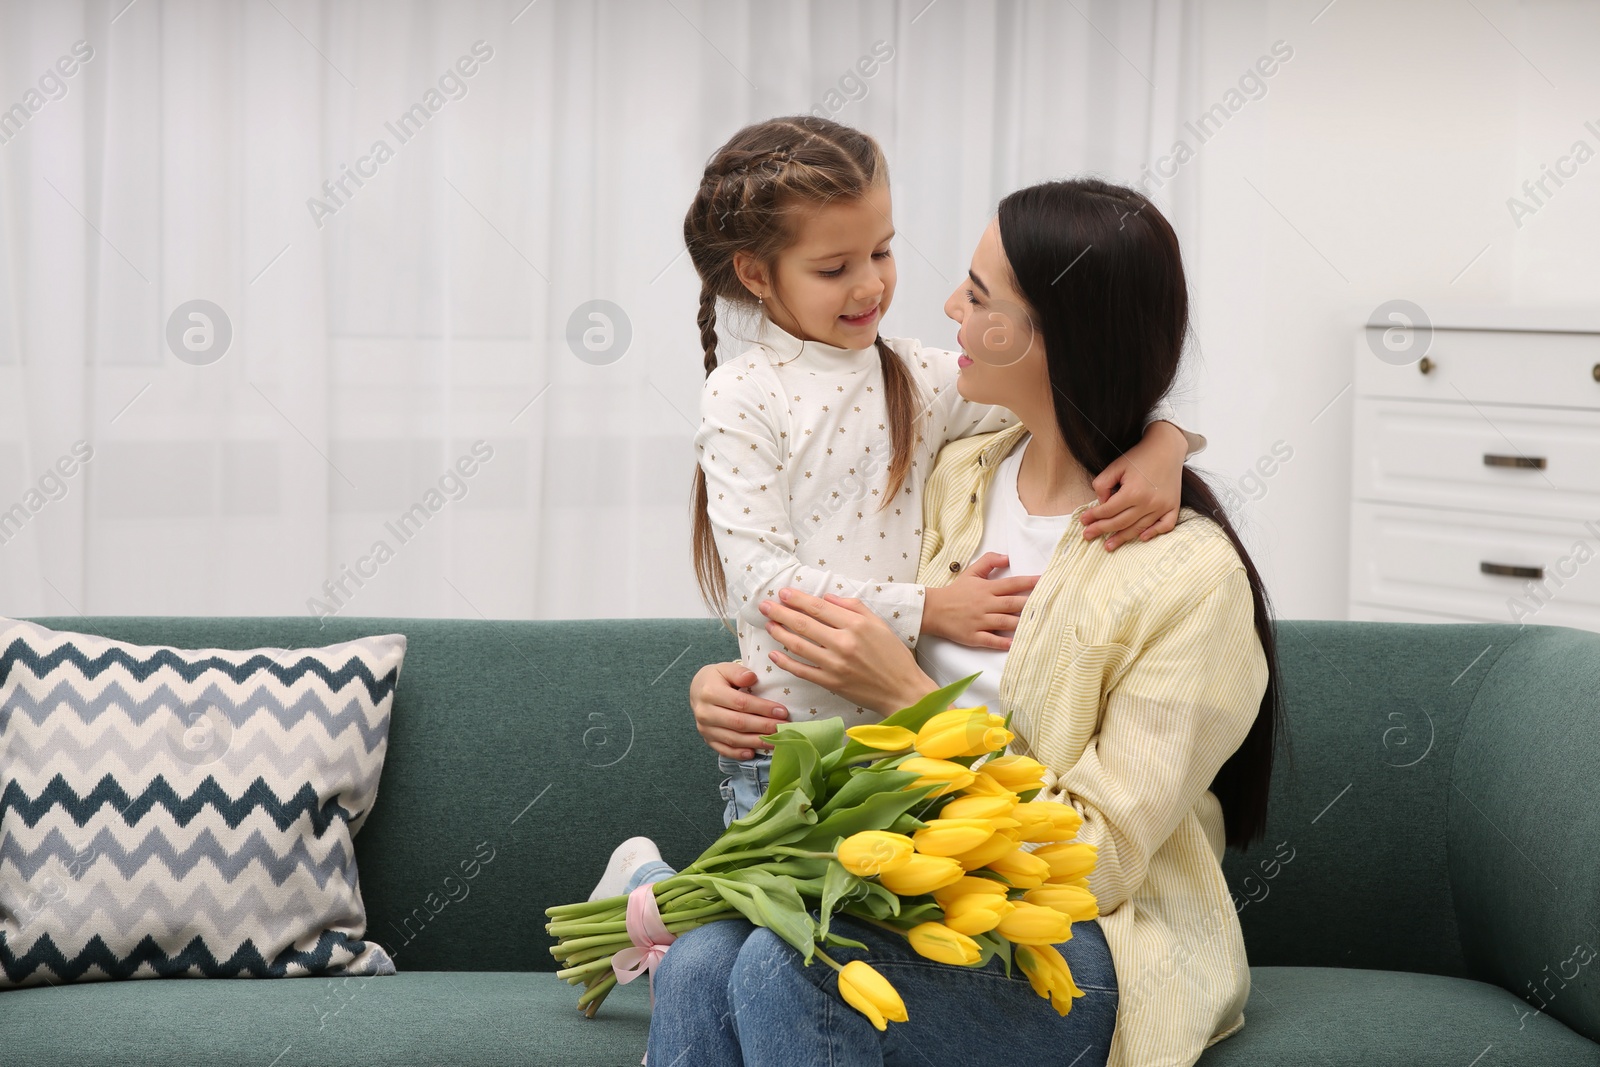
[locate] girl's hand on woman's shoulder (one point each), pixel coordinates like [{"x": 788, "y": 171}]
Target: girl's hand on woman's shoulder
[
  {"x": 1148, "y": 479},
  {"x": 733, "y": 722}
]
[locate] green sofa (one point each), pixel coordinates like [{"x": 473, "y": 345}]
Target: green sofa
[{"x": 1431, "y": 868}]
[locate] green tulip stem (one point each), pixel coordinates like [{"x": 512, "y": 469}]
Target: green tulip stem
[
  {"x": 881, "y": 923},
  {"x": 595, "y": 953},
  {"x": 673, "y": 893},
  {"x": 664, "y": 889},
  {"x": 760, "y": 853},
  {"x": 825, "y": 958},
  {"x": 583, "y": 971},
  {"x": 590, "y": 1000},
  {"x": 567, "y": 931},
  {"x": 579, "y": 944},
  {"x": 611, "y": 940},
  {"x": 590, "y": 907},
  {"x": 879, "y": 758}
]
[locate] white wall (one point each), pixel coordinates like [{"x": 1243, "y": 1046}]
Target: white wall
[{"x": 1377, "y": 165}]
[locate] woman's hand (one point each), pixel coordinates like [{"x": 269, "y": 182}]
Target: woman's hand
[
  {"x": 731, "y": 721},
  {"x": 974, "y": 609},
  {"x": 1148, "y": 479},
  {"x": 847, "y": 649}
]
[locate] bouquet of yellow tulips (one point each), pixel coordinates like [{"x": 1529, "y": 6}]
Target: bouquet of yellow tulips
[{"x": 896, "y": 824}]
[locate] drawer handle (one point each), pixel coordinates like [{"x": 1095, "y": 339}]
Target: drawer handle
[
  {"x": 1506, "y": 570},
  {"x": 1536, "y": 463},
  {"x": 1596, "y": 372},
  {"x": 1427, "y": 366}
]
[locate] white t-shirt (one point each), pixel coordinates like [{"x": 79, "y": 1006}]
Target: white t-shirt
[
  {"x": 1029, "y": 541},
  {"x": 795, "y": 445}
]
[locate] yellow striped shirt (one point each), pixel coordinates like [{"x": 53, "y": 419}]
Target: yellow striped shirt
[{"x": 1133, "y": 676}]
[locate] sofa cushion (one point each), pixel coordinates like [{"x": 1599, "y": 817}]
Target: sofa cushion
[
  {"x": 1345, "y": 1017},
  {"x": 412, "y": 1019},
  {"x": 522, "y": 753},
  {"x": 170, "y": 812},
  {"x": 1296, "y": 1016}
]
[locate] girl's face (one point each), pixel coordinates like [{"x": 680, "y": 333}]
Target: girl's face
[
  {"x": 1002, "y": 360},
  {"x": 834, "y": 284}
]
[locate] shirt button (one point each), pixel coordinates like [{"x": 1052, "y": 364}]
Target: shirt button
[
  {"x": 954, "y": 566},
  {"x": 974, "y": 498}
]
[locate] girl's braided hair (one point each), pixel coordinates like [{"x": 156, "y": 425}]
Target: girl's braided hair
[{"x": 753, "y": 192}]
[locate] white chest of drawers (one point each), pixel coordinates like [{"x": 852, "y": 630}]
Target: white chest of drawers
[{"x": 1476, "y": 475}]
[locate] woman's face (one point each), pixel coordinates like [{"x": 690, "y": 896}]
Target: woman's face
[
  {"x": 1002, "y": 359},
  {"x": 834, "y": 284}
]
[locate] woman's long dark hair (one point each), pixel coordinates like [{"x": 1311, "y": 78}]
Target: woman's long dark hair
[{"x": 1100, "y": 268}]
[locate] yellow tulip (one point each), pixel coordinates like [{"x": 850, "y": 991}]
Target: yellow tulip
[
  {"x": 1075, "y": 902},
  {"x": 951, "y": 837},
  {"x": 1047, "y": 820},
  {"x": 1068, "y": 862},
  {"x": 870, "y": 993},
  {"x": 1001, "y": 843},
  {"x": 978, "y": 807},
  {"x": 1031, "y": 924},
  {"x": 1049, "y": 975},
  {"x": 968, "y": 886},
  {"x": 962, "y": 732},
  {"x": 872, "y": 852},
  {"x": 922, "y": 874},
  {"x": 949, "y": 776},
  {"x": 984, "y": 785},
  {"x": 1017, "y": 773},
  {"x": 886, "y": 738},
  {"x": 976, "y": 913},
  {"x": 1021, "y": 868},
  {"x": 937, "y": 942}
]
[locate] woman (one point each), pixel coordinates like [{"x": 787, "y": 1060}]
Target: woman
[{"x": 1143, "y": 679}]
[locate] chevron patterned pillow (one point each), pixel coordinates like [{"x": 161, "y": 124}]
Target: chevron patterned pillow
[{"x": 186, "y": 813}]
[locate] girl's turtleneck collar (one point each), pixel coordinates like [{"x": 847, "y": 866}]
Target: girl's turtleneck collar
[{"x": 785, "y": 349}]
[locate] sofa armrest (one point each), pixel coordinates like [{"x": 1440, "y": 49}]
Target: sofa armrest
[{"x": 1524, "y": 825}]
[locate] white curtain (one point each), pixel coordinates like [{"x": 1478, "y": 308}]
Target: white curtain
[{"x": 401, "y": 424}]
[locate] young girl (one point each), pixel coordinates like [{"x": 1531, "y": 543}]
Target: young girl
[{"x": 814, "y": 444}]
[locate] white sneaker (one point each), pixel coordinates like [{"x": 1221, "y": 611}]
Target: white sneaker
[{"x": 625, "y": 859}]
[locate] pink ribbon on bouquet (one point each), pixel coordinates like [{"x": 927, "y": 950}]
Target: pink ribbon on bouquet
[{"x": 651, "y": 939}]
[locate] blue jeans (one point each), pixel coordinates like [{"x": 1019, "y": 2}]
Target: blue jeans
[
  {"x": 730, "y": 994},
  {"x": 745, "y": 785}
]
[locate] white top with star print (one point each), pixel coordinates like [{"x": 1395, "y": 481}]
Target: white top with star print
[{"x": 794, "y": 441}]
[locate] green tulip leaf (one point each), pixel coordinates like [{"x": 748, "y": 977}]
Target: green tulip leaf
[
  {"x": 928, "y": 911},
  {"x": 783, "y": 818},
  {"x": 836, "y": 884},
  {"x": 840, "y": 939},
  {"x": 773, "y": 902},
  {"x": 991, "y": 944},
  {"x": 876, "y": 811},
  {"x": 794, "y": 762},
  {"x": 907, "y": 824},
  {"x": 862, "y": 785},
  {"x": 826, "y": 735}
]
